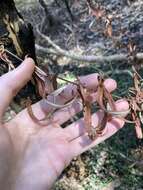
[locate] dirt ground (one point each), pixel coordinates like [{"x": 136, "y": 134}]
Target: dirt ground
[{"x": 114, "y": 164}]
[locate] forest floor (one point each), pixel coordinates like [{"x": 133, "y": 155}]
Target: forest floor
[{"x": 114, "y": 164}]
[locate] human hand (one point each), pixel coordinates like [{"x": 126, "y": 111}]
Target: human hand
[{"x": 33, "y": 156}]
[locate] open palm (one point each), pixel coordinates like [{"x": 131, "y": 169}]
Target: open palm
[{"x": 37, "y": 155}]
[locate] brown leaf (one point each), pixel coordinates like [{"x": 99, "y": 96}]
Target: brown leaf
[
  {"x": 100, "y": 93},
  {"x": 110, "y": 99},
  {"x": 104, "y": 96},
  {"x": 40, "y": 122},
  {"x": 138, "y": 129},
  {"x": 86, "y": 100},
  {"x": 40, "y": 86},
  {"x": 101, "y": 126},
  {"x": 137, "y": 125},
  {"x": 109, "y": 31},
  {"x": 136, "y": 83},
  {"x": 95, "y": 10},
  {"x": 98, "y": 13},
  {"x": 47, "y": 83},
  {"x": 30, "y": 111},
  {"x": 131, "y": 48}
]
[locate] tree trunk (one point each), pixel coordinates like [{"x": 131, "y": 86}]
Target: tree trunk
[{"x": 16, "y": 36}]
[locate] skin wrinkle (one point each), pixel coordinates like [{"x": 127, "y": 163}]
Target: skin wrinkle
[
  {"x": 63, "y": 162},
  {"x": 25, "y": 171},
  {"x": 16, "y": 133},
  {"x": 59, "y": 156},
  {"x": 64, "y": 139},
  {"x": 51, "y": 163},
  {"x": 54, "y": 168},
  {"x": 11, "y": 154}
]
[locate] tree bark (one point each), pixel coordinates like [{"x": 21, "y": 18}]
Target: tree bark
[{"x": 16, "y": 36}]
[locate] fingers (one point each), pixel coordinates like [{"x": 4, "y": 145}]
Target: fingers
[
  {"x": 63, "y": 115},
  {"x": 41, "y": 109},
  {"x": 13, "y": 81},
  {"x": 83, "y": 143},
  {"x": 77, "y": 129}
]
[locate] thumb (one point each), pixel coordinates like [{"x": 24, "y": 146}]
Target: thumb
[{"x": 13, "y": 81}]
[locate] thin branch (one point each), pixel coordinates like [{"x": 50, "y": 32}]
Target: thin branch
[
  {"x": 48, "y": 16},
  {"x": 44, "y": 6},
  {"x": 82, "y": 58},
  {"x": 88, "y": 58}
]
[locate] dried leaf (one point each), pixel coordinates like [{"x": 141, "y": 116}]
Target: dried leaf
[
  {"x": 137, "y": 126},
  {"x": 86, "y": 101},
  {"x": 41, "y": 122},
  {"x": 110, "y": 99},
  {"x": 4, "y": 57},
  {"x": 49, "y": 83},
  {"x": 109, "y": 30},
  {"x": 109, "y": 26},
  {"x": 131, "y": 48},
  {"x": 100, "y": 93},
  {"x": 95, "y": 10},
  {"x": 101, "y": 126},
  {"x": 40, "y": 86},
  {"x": 136, "y": 83}
]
